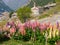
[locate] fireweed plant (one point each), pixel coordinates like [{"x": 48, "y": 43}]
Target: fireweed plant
[{"x": 31, "y": 30}]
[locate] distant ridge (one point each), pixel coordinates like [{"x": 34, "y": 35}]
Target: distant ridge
[{"x": 12, "y": 5}]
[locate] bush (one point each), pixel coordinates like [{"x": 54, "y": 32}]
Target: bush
[
  {"x": 40, "y": 37},
  {"x": 3, "y": 37},
  {"x": 28, "y": 35},
  {"x": 24, "y": 13}
]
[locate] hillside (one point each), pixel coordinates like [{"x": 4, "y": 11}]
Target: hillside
[
  {"x": 57, "y": 1},
  {"x": 52, "y": 11},
  {"x": 55, "y": 9},
  {"x": 4, "y": 7},
  {"x": 9, "y": 5},
  {"x": 41, "y": 2}
]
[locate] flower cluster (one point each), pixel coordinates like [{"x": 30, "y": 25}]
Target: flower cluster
[{"x": 12, "y": 27}]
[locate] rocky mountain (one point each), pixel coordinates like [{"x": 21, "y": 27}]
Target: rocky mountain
[
  {"x": 9, "y": 5},
  {"x": 4, "y": 7}
]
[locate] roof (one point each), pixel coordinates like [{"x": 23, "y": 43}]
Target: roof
[{"x": 35, "y": 8}]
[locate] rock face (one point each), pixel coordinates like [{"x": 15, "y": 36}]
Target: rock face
[
  {"x": 11, "y": 5},
  {"x": 15, "y": 4},
  {"x": 4, "y": 16},
  {"x": 4, "y": 7}
]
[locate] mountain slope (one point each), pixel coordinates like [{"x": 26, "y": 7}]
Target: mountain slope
[
  {"x": 9, "y": 5},
  {"x": 40, "y": 2},
  {"x": 56, "y": 9},
  {"x": 15, "y": 4},
  {"x": 4, "y": 7}
]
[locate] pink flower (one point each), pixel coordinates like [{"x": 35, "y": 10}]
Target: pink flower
[
  {"x": 48, "y": 24},
  {"x": 12, "y": 23},
  {"x": 12, "y": 30},
  {"x": 18, "y": 25},
  {"x": 28, "y": 24},
  {"x": 57, "y": 24},
  {"x": 59, "y": 28},
  {"x": 33, "y": 25},
  {"x": 37, "y": 23},
  {"x": 42, "y": 27},
  {"x": 22, "y": 29}
]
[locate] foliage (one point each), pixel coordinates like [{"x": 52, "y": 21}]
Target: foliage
[
  {"x": 14, "y": 42},
  {"x": 55, "y": 9},
  {"x": 24, "y": 13},
  {"x": 3, "y": 37},
  {"x": 57, "y": 1},
  {"x": 10, "y": 15},
  {"x": 28, "y": 35},
  {"x": 44, "y": 16},
  {"x": 40, "y": 37},
  {"x": 17, "y": 36},
  {"x": 53, "y": 40}
]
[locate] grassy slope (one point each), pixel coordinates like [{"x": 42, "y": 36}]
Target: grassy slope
[
  {"x": 14, "y": 42},
  {"x": 55, "y": 9},
  {"x": 40, "y": 2},
  {"x": 3, "y": 23},
  {"x": 52, "y": 11}
]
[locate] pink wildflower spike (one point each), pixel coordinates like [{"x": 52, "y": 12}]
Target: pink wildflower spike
[
  {"x": 28, "y": 24},
  {"x": 45, "y": 26},
  {"x": 22, "y": 29},
  {"x": 48, "y": 24},
  {"x": 42, "y": 27},
  {"x": 57, "y": 24},
  {"x": 18, "y": 25},
  {"x": 12, "y": 23},
  {"x": 12, "y": 30},
  {"x": 59, "y": 29},
  {"x": 38, "y": 23},
  {"x": 33, "y": 26}
]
